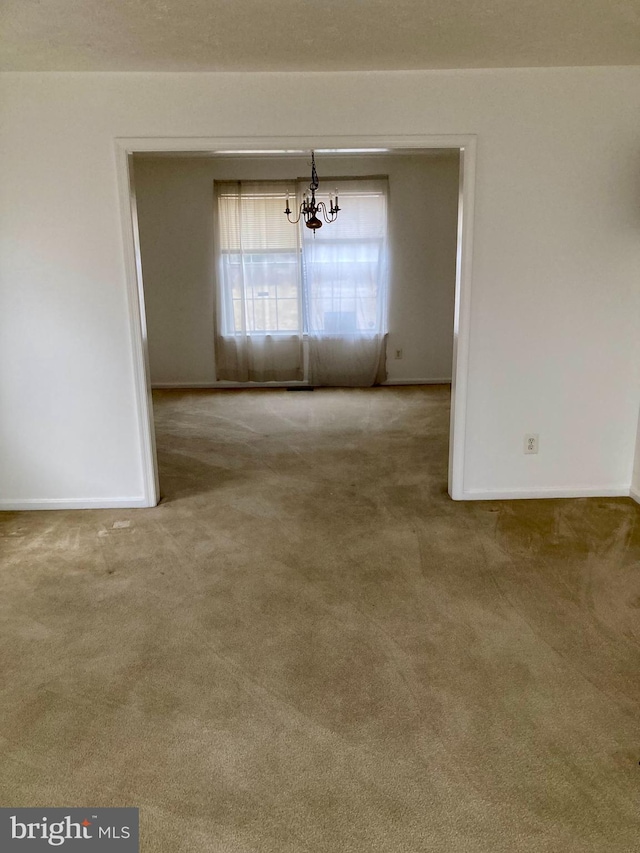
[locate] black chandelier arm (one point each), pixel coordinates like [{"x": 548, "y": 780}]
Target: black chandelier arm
[
  {"x": 328, "y": 215},
  {"x": 288, "y": 214},
  {"x": 301, "y": 210}
]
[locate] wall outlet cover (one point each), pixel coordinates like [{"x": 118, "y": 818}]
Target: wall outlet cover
[{"x": 531, "y": 442}]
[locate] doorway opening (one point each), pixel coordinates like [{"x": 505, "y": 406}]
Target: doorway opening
[{"x": 243, "y": 159}]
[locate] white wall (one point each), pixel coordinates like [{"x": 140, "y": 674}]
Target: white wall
[
  {"x": 554, "y": 343},
  {"x": 175, "y": 215}
]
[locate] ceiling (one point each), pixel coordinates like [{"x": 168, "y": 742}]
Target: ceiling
[{"x": 315, "y": 35}]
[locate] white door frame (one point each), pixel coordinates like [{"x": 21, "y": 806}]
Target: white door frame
[{"x": 126, "y": 147}]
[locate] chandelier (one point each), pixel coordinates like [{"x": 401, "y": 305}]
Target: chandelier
[{"x": 311, "y": 210}]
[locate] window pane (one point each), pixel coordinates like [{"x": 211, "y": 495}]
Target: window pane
[
  {"x": 288, "y": 315},
  {"x": 237, "y": 314},
  {"x": 269, "y": 279},
  {"x": 368, "y": 313}
]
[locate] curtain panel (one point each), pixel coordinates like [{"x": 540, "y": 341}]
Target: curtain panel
[
  {"x": 345, "y": 272},
  {"x": 258, "y": 302}
]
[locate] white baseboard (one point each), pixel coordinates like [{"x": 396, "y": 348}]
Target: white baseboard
[
  {"x": 73, "y": 503},
  {"x": 417, "y": 381},
  {"x": 217, "y": 385},
  {"x": 467, "y": 495},
  {"x": 545, "y": 493}
]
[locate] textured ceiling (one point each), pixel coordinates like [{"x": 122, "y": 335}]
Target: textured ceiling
[{"x": 315, "y": 35}]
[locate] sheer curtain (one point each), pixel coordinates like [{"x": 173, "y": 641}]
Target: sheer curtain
[
  {"x": 258, "y": 300},
  {"x": 344, "y": 273}
]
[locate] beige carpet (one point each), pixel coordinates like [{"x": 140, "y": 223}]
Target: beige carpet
[{"x": 309, "y": 647}]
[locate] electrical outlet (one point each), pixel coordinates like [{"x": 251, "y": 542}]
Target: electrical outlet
[
  {"x": 398, "y": 353},
  {"x": 531, "y": 442}
]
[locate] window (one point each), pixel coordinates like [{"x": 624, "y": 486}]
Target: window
[{"x": 276, "y": 278}]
